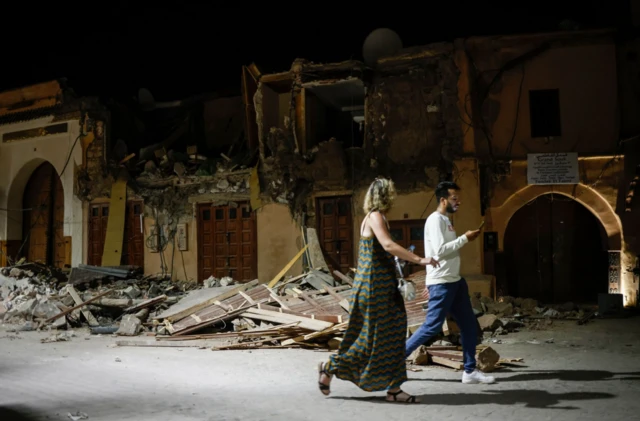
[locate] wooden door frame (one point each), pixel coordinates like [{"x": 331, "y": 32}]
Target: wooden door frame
[
  {"x": 101, "y": 203},
  {"x": 199, "y": 245},
  {"x": 51, "y": 231},
  {"x": 129, "y": 207}
]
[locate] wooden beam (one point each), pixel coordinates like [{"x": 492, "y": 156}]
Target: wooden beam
[{"x": 286, "y": 269}]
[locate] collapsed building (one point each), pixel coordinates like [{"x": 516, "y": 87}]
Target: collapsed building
[
  {"x": 235, "y": 186},
  {"x": 547, "y": 158}
]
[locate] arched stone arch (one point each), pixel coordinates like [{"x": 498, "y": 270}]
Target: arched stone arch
[
  {"x": 15, "y": 196},
  {"x": 588, "y": 197},
  {"x": 498, "y": 219}
]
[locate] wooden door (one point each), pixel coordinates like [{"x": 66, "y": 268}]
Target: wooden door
[
  {"x": 227, "y": 242},
  {"x": 407, "y": 233},
  {"x": 98, "y": 217},
  {"x": 43, "y": 223},
  {"x": 335, "y": 229},
  {"x": 554, "y": 252},
  {"x": 133, "y": 239}
]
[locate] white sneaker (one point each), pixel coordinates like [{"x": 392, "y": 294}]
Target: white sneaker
[{"x": 477, "y": 377}]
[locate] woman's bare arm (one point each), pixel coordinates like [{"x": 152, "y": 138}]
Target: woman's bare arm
[{"x": 379, "y": 228}]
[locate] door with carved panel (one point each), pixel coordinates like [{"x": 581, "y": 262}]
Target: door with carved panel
[
  {"x": 43, "y": 222},
  {"x": 335, "y": 231},
  {"x": 227, "y": 242},
  {"x": 409, "y": 233}
]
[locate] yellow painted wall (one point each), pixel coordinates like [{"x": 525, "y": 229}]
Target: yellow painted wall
[
  {"x": 279, "y": 240},
  {"x": 18, "y": 160},
  {"x": 585, "y": 76},
  {"x": 173, "y": 263},
  {"x": 469, "y": 215}
]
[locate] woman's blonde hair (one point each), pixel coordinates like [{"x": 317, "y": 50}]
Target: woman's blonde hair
[{"x": 380, "y": 196}]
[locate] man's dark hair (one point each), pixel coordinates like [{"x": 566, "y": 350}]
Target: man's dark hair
[{"x": 442, "y": 191}]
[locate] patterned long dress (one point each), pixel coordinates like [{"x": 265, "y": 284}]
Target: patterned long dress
[{"x": 371, "y": 354}]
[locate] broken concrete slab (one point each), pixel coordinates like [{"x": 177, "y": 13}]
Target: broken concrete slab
[
  {"x": 529, "y": 304},
  {"x": 45, "y": 309},
  {"x": 129, "y": 326},
  {"x": 315, "y": 252},
  {"x": 132, "y": 292},
  {"x": 419, "y": 356},
  {"x": 503, "y": 309},
  {"x": 487, "y": 359},
  {"x": 511, "y": 325},
  {"x": 489, "y": 322}
]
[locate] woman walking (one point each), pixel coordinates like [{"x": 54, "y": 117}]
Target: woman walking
[{"x": 372, "y": 353}]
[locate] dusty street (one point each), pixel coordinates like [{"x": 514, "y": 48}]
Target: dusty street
[{"x": 587, "y": 373}]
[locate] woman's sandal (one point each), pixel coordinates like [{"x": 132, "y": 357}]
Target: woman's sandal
[
  {"x": 410, "y": 399},
  {"x": 324, "y": 388}
]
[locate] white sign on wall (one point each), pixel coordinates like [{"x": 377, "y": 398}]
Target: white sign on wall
[{"x": 552, "y": 168}]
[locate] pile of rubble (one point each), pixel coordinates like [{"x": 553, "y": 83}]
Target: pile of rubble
[
  {"x": 36, "y": 296},
  {"x": 307, "y": 311},
  {"x": 509, "y": 314}
]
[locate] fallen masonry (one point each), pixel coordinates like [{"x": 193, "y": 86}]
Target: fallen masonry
[{"x": 307, "y": 311}]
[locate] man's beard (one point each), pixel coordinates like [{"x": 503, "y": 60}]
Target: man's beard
[{"x": 450, "y": 208}]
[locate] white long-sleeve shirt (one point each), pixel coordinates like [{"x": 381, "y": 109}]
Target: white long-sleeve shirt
[{"x": 442, "y": 243}]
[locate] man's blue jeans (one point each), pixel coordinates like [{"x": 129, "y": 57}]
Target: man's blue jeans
[{"x": 444, "y": 299}]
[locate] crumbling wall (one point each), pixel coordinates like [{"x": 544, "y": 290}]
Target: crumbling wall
[
  {"x": 94, "y": 180},
  {"x": 174, "y": 196},
  {"x": 413, "y": 122},
  {"x": 505, "y": 69}
]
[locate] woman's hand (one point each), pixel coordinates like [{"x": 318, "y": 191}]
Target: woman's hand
[{"x": 426, "y": 261}]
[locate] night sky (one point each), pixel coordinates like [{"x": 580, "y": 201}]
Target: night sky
[{"x": 182, "y": 50}]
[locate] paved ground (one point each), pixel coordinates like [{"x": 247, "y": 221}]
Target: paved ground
[{"x": 588, "y": 373}]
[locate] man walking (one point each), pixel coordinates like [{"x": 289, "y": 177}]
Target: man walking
[{"x": 448, "y": 291}]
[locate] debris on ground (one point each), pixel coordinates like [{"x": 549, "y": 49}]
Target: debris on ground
[
  {"x": 36, "y": 296},
  {"x": 488, "y": 359},
  {"x": 309, "y": 311},
  {"x": 77, "y": 416}
]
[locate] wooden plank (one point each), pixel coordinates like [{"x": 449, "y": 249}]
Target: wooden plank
[
  {"x": 279, "y": 301},
  {"x": 327, "y": 332},
  {"x": 272, "y": 316},
  {"x": 344, "y": 303},
  {"x": 246, "y": 297},
  {"x": 451, "y": 355},
  {"x": 85, "y": 312},
  {"x": 447, "y": 362},
  {"x": 323, "y": 317},
  {"x": 344, "y": 277},
  {"x": 310, "y": 300},
  {"x": 328, "y": 304},
  {"x": 64, "y": 313},
  {"x": 201, "y": 343},
  {"x": 287, "y": 267},
  {"x": 258, "y": 345},
  {"x": 245, "y": 333},
  {"x": 228, "y": 307},
  {"x": 209, "y": 322},
  {"x": 112, "y": 252},
  {"x": 148, "y": 303},
  {"x": 315, "y": 251},
  {"x": 214, "y": 313},
  {"x": 281, "y": 285},
  {"x": 192, "y": 304}
]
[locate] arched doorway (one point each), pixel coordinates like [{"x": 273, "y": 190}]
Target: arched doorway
[
  {"x": 556, "y": 251},
  {"x": 43, "y": 222}
]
